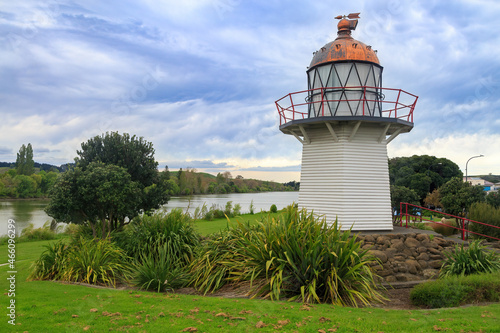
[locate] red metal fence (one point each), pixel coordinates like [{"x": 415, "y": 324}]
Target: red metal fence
[
  {"x": 407, "y": 211},
  {"x": 395, "y": 103}
]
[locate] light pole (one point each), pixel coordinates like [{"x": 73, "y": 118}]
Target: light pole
[{"x": 466, "y": 179}]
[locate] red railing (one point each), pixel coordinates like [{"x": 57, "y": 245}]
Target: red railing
[
  {"x": 463, "y": 227},
  {"x": 393, "y": 103}
]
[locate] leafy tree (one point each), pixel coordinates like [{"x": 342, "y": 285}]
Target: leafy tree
[
  {"x": 100, "y": 195},
  {"x": 115, "y": 179},
  {"x": 432, "y": 200},
  {"x": 402, "y": 194},
  {"x": 457, "y": 196},
  {"x": 26, "y": 186},
  {"x": 493, "y": 199},
  {"x": 134, "y": 154},
  {"x": 422, "y": 173},
  {"x": 24, "y": 161}
]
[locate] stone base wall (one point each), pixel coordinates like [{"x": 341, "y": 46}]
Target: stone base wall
[{"x": 407, "y": 257}]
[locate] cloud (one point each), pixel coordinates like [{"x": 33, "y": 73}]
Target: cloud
[{"x": 199, "y": 78}]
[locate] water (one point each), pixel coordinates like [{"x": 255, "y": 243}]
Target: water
[{"x": 25, "y": 212}]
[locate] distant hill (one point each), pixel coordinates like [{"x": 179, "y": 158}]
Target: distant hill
[
  {"x": 39, "y": 166},
  {"x": 491, "y": 178}
]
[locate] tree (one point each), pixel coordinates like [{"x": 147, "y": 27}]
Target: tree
[
  {"x": 115, "y": 179},
  {"x": 99, "y": 195},
  {"x": 24, "y": 161},
  {"x": 402, "y": 194},
  {"x": 422, "y": 173},
  {"x": 493, "y": 199},
  {"x": 457, "y": 196},
  {"x": 432, "y": 200},
  {"x": 134, "y": 154}
]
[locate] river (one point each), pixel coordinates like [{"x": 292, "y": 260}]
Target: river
[{"x": 24, "y": 212}]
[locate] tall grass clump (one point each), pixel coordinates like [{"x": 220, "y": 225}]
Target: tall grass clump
[
  {"x": 173, "y": 229},
  {"x": 295, "y": 256},
  {"x": 470, "y": 260},
  {"x": 159, "y": 270},
  {"x": 162, "y": 245},
  {"x": 85, "y": 260},
  {"x": 485, "y": 213},
  {"x": 52, "y": 262},
  {"x": 96, "y": 261}
]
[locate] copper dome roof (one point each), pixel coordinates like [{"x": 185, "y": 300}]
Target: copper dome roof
[{"x": 344, "y": 47}]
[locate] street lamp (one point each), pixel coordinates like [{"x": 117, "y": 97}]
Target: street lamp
[{"x": 466, "y": 179}]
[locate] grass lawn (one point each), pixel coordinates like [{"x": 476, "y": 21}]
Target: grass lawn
[
  {"x": 44, "y": 306},
  {"x": 205, "y": 227}
]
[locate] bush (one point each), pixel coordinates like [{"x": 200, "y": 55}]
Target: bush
[
  {"x": 447, "y": 228},
  {"x": 471, "y": 260},
  {"x": 295, "y": 256},
  {"x": 237, "y": 210},
  {"x": 273, "y": 209},
  {"x": 457, "y": 290},
  {"x": 30, "y": 233},
  {"x": 173, "y": 229},
  {"x": 483, "y": 212}
]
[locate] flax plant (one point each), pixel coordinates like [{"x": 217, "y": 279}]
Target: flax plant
[
  {"x": 470, "y": 260},
  {"x": 295, "y": 256}
]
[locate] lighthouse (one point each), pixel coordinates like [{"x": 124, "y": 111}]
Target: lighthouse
[{"x": 345, "y": 120}]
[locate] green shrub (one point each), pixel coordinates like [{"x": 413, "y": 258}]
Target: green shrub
[
  {"x": 229, "y": 209},
  {"x": 52, "y": 262},
  {"x": 457, "y": 290},
  {"x": 470, "y": 260},
  {"x": 173, "y": 229},
  {"x": 237, "y": 210},
  {"x": 273, "y": 209},
  {"x": 251, "y": 208},
  {"x": 440, "y": 293},
  {"x": 446, "y": 228},
  {"x": 30, "y": 233},
  {"x": 483, "y": 212},
  {"x": 295, "y": 256},
  {"x": 159, "y": 270},
  {"x": 96, "y": 262}
]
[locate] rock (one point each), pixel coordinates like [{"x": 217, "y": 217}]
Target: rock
[
  {"x": 390, "y": 278},
  {"x": 430, "y": 273},
  {"x": 401, "y": 277},
  {"x": 422, "y": 237},
  {"x": 412, "y": 242},
  {"x": 398, "y": 245},
  {"x": 423, "y": 264},
  {"x": 369, "y": 239},
  {"x": 436, "y": 264},
  {"x": 384, "y": 273},
  {"x": 379, "y": 254},
  {"x": 436, "y": 257},
  {"x": 382, "y": 240},
  {"x": 413, "y": 266},
  {"x": 433, "y": 245},
  {"x": 433, "y": 251},
  {"x": 440, "y": 241},
  {"x": 391, "y": 252},
  {"x": 423, "y": 256},
  {"x": 422, "y": 249}
]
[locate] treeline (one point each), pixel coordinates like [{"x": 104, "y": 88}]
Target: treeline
[{"x": 190, "y": 181}]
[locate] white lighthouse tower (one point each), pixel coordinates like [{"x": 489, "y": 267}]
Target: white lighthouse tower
[{"x": 344, "y": 120}]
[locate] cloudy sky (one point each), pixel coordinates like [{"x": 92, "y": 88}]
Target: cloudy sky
[{"x": 198, "y": 78}]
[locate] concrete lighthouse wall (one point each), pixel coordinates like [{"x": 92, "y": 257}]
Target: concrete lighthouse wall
[{"x": 347, "y": 176}]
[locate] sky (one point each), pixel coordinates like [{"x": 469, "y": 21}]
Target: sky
[{"x": 199, "y": 78}]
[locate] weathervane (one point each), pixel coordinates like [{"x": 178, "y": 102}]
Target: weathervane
[
  {"x": 350, "y": 16},
  {"x": 346, "y": 25}
]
